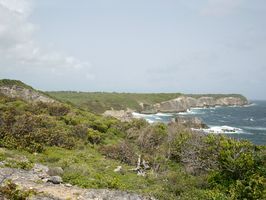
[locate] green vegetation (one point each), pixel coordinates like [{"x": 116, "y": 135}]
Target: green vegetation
[
  {"x": 98, "y": 102},
  {"x": 11, "y": 191},
  {"x": 181, "y": 164}
]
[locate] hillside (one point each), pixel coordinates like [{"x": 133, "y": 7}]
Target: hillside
[
  {"x": 99, "y": 102},
  {"x": 18, "y": 89},
  {"x": 77, "y": 149}
]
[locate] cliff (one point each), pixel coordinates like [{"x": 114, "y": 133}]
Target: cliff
[
  {"x": 17, "y": 89},
  {"x": 184, "y": 103}
]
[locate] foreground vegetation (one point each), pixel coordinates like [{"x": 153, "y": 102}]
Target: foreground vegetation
[{"x": 181, "y": 164}]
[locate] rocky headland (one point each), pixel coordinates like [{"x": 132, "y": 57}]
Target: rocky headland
[{"x": 183, "y": 103}]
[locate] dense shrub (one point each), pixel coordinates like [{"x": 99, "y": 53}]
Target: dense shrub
[
  {"x": 239, "y": 168},
  {"x": 122, "y": 151},
  {"x": 53, "y": 109},
  {"x": 80, "y": 131},
  {"x": 151, "y": 137},
  {"x": 94, "y": 136},
  {"x": 21, "y": 129}
]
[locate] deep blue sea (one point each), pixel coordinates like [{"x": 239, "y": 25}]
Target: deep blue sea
[{"x": 248, "y": 122}]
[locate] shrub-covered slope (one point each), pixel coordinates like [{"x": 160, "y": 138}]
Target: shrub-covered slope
[{"x": 164, "y": 161}]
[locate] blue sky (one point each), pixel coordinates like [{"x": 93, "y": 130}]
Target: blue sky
[{"x": 196, "y": 46}]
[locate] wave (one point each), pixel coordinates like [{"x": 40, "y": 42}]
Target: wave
[
  {"x": 150, "y": 121},
  {"x": 183, "y": 113},
  {"x": 192, "y": 111},
  {"x": 164, "y": 114},
  {"x": 255, "y": 128},
  {"x": 139, "y": 115},
  {"x": 250, "y": 105},
  {"x": 223, "y": 130},
  {"x": 249, "y": 119}
]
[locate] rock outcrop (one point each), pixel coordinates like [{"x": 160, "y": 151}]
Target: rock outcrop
[
  {"x": 27, "y": 94},
  {"x": 184, "y": 103},
  {"x": 189, "y": 122},
  {"x": 120, "y": 114},
  {"x": 47, "y": 190}
]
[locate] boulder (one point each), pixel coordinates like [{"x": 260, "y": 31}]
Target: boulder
[
  {"x": 55, "y": 171},
  {"x": 190, "y": 122},
  {"x": 123, "y": 115},
  {"x": 55, "y": 179}
]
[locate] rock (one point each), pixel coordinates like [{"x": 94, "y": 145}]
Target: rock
[
  {"x": 41, "y": 171},
  {"x": 39, "y": 168},
  {"x": 118, "y": 169},
  {"x": 190, "y": 122},
  {"x": 55, "y": 171},
  {"x": 68, "y": 185},
  {"x": 27, "y": 94},
  {"x": 123, "y": 115},
  {"x": 55, "y": 179},
  {"x": 103, "y": 194}
]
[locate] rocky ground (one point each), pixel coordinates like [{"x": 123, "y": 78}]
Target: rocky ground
[{"x": 43, "y": 183}]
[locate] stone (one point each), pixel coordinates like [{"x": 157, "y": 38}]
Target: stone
[
  {"x": 41, "y": 171},
  {"x": 68, "y": 185},
  {"x": 118, "y": 169},
  {"x": 55, "y": 179},
  {"x": 55, "y": 171},
  {"x": 39, "y": 168},
  {"x": 190, "y": 122}
]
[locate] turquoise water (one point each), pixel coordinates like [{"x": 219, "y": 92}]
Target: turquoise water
[{"x": 248, "y": 121}]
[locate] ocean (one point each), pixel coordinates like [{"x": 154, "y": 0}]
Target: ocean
[{"x": 247, "y": 122}]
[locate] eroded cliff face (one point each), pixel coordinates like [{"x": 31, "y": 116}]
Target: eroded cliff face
[
  {"x": 25, "y": 94},
  {"x": 184, "y": 103}
]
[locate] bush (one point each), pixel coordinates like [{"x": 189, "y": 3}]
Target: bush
[
  {"x": 152, "y": 137},
  {"x": 251, "y": 188},
  {"x": 94, "y": 136},
  {"x": 11, "y": 191},
  {"x": 122, "y": 151},
  {"x": 32, "y": 132},
  {"x": 238, "y": 168},
  {"x": 53, "y": 109}
]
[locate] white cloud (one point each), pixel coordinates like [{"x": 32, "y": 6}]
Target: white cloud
[
  {"x": 220, "y": 7},
  {"x": 20, "y": 50}
]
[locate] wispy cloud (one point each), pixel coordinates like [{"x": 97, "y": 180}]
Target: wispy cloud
[
  {"x": 220, "y": 7},
  {"x": 19, "y": 48}
]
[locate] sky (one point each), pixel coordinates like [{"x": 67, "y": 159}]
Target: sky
[{"x": 189, "y": 46}]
